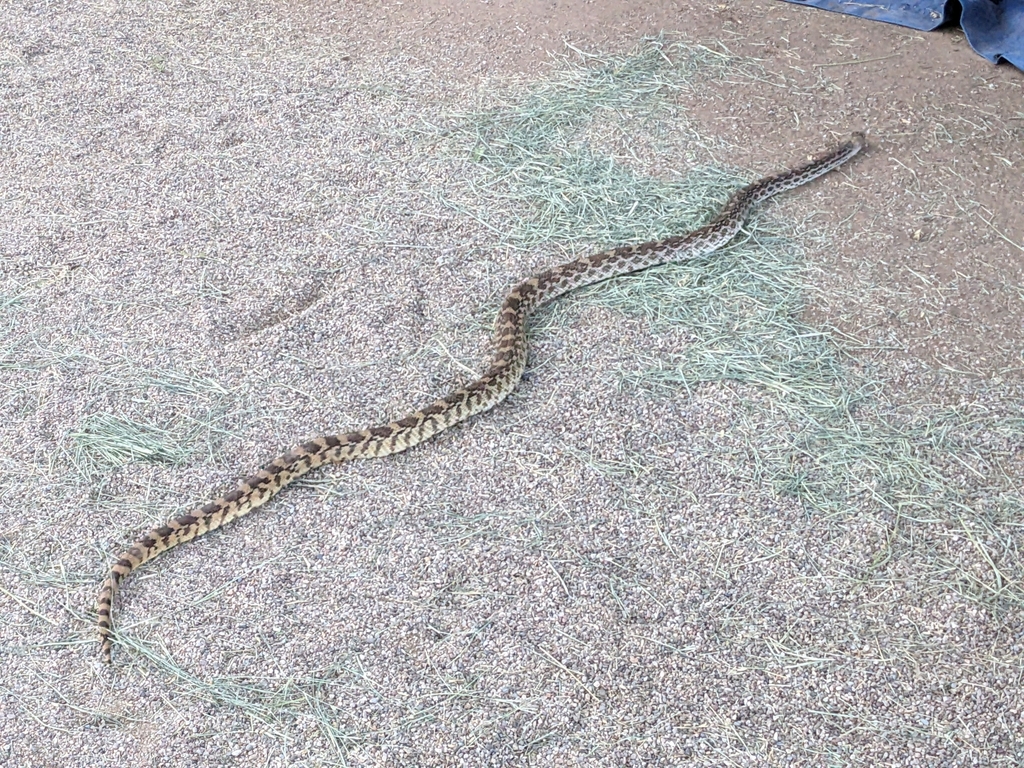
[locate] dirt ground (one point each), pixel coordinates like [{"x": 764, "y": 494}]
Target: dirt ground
[{"x": 226, "y": 231}]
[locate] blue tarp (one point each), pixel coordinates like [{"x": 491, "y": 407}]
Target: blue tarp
[{"x": 994, "y": 28}]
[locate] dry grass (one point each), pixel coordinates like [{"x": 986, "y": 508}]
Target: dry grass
[{"x": 818, "y": 429}]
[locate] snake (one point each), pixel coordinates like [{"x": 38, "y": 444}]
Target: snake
[{"x": 494, "y": 385}]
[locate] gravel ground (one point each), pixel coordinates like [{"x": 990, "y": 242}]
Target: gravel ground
[{"x": 229, "y": 227}]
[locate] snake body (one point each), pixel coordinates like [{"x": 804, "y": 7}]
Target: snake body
[{"x": 500, "y": 378}]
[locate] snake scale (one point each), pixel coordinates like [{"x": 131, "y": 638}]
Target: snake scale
[{"x": 500, "y": 378}]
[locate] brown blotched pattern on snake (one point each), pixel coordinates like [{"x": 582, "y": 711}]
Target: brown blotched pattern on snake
[{"x": 491, "y": 388}]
